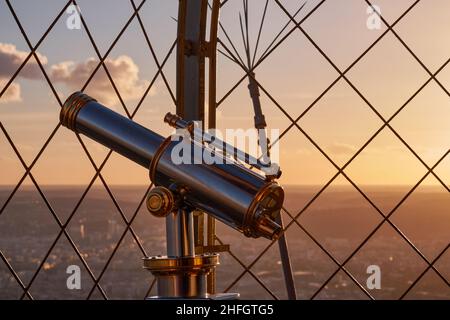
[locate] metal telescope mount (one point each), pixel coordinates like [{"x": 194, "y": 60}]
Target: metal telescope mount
[
  {"x": 229, "y": 190},
  {"x": 189, "y": 268},
  {"x": 186, "y": 274}
]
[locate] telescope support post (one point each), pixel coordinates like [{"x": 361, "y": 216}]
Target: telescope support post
[
  {"x": 183, "y": 274},
  {"x": 180, "y": 233}
]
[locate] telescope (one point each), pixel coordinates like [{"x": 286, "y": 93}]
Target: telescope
[{"x": 231, "y": 192}]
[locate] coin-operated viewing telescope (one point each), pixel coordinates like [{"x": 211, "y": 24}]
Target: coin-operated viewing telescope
[{"x": 227, "y": 190}]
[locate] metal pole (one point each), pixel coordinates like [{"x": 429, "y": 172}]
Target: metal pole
[
  {"x": 190, "y": 61},
  {"x": 180, "y": 231},
  {"x": 190, "y": 81},
  {"x": 212, "y": 105},
  {"x": 184, "y": 229},
  {"x": 286, "y": 263},
  {"x": 180, "y": 228}
]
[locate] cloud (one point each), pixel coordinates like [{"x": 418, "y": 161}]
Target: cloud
[
  {"x": 123, "y": 70},
  {"x": 12, "y": 94},
  {"x": 10, "y": 60},
  {"x": 342, "y": 149}
]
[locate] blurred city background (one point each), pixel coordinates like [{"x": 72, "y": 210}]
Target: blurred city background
[{"x": 362, "y": 103}]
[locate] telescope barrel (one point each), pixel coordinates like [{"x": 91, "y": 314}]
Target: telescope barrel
[
  {"x": 237, "y": 196},
  {"x": 84, "y": 115}
]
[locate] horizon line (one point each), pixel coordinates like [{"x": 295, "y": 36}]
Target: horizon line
[{"x": 282, "y": 184}]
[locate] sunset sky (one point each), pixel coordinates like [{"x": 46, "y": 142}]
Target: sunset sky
[{"x": 295, "y": 75}]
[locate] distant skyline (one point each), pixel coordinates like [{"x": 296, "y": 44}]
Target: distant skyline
[{"x": 295, "y": 75}]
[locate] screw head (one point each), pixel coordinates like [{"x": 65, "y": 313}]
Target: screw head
[{"x": 160, "y": 202}]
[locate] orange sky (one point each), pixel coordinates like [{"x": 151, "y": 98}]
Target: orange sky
[{"x": 295, "y": 75}]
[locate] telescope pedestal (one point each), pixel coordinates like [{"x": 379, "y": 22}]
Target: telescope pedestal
[
  {"x": 181, "y": 274},
  {"x": 182, "y": 277}
]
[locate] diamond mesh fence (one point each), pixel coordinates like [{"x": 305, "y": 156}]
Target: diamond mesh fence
[{"x": 336, "y": 228}]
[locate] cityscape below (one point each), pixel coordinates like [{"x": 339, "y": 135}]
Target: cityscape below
[{"x": 339, "y": 219}]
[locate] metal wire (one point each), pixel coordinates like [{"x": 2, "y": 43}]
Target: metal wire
[
  {"x": 341, "y": 170},
  {"x": 230, "y": 52}
]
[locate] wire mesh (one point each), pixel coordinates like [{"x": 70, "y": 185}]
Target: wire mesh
[{"x": 228, "y": 51}]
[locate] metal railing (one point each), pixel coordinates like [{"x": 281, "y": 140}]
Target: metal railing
[{"x": 228, "y": 51}]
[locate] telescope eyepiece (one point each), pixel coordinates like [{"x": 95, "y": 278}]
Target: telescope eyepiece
[
  {"x": 268, "y": 228},
  {"x": 72, "y": 107}
]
